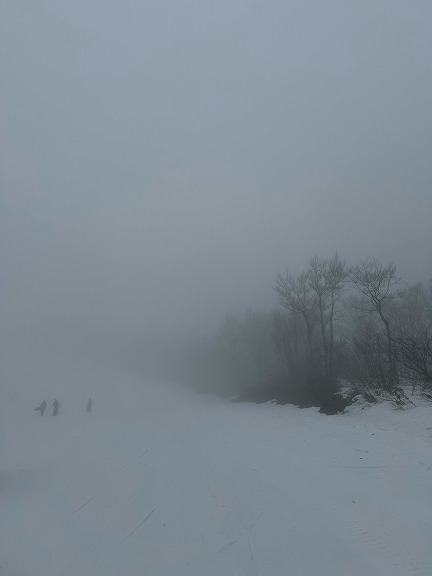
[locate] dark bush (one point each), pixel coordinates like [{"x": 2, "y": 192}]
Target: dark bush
[
  {"x": 335, "y": 404},
  {"x": 306, "y": 392}
]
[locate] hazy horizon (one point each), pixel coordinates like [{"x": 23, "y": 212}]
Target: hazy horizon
[{"x": 162, "y": 162}]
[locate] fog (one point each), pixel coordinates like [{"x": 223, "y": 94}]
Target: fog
[{"x": 161, "y": 162}]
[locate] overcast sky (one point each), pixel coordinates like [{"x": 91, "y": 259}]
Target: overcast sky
[{"x": 162, "y": 160}]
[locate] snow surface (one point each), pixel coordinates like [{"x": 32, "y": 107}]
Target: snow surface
[{"x": 160, "y": 481}]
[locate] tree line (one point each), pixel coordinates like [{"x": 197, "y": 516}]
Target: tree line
[{"x": 337, "y": 331}]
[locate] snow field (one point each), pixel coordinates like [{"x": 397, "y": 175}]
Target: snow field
[{"x": 160, "y": 481}]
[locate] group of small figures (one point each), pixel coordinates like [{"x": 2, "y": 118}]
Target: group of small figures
[{"x": 56, "y": 406}]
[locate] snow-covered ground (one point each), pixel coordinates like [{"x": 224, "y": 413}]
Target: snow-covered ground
[{"x": 159, "y": 481}]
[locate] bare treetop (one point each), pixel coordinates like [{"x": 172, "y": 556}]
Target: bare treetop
[{"x": 374, "y": 280}]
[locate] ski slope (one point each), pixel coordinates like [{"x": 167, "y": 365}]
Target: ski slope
[{"x": 162, "y": 482}]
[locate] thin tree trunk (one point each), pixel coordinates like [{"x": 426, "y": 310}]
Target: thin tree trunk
[
  {"x": 330, "y": 369},
  {"x": 392, "y": 367}
]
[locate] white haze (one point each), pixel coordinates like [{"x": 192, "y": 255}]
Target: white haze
[{"x": 162, "y": 161}]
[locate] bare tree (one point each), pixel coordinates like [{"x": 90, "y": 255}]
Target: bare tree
[
  {"x": 317, "y": 277},
  {"x": 414, "y": 352},
  {"x": 413, "y": 334},
  {"x": 336, "y": 275},
  {"x": 289, "y": 341},
  {"x": 327, "y": 280},
  {"x": 296, "y": 295},
  {"x": 413, "y": 308},
  {"x": 376, "y": 283},
  {"x": 366, "y": 365}
]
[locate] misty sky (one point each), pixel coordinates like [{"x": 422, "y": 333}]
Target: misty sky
[{"x": 162, "y": 160}]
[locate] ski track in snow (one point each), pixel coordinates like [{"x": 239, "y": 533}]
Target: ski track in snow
[
  {"x": 80, "y": 508},
  {"x": 226, "y": 546},
  {"x": 238, "y": 489},
  {"x": 132, "y": 461},
  {"x": 138, "y": 527}
]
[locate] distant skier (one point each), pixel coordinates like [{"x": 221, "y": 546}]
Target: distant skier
[
  {"x": 41, "y": 408},
  {"x": 89, "y": 405},
  {"x": 56, "y": 406}
]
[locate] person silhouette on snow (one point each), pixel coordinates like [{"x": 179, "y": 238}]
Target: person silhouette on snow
[
  {"x": 41, "y": 408},
  {"x": 56, "y": 406}
]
